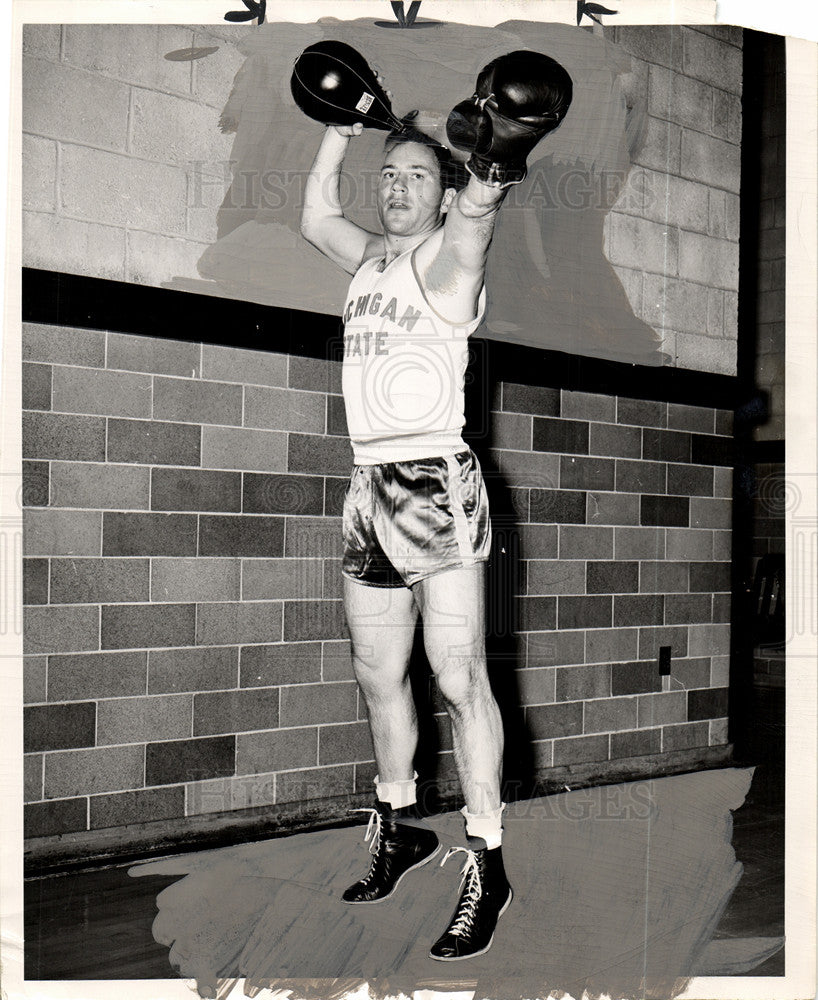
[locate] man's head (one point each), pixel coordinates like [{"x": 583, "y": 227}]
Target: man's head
[{"x": 418, "y": 180}]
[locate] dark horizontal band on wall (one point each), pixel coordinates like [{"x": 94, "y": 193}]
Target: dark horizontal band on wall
[
  {"x": 768, "y": 451},
  {"x": 58, "y": 299}
]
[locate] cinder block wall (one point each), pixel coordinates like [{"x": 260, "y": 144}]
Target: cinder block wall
[
  {"x": 673, "y": 234},
  {"x": 184, "y": 639},
  {"x": 115, "y": 132}
]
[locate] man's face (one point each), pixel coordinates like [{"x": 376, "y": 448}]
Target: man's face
[{"x": 411, "y": 198}]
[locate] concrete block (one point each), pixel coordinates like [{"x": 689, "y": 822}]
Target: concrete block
[
  {"x": 550, "y": 721},
  {"x": 139, "y": 720},
  {"x": 276, "y": 751},
  {"x": 313, "y": 374},
  {"x": 195, "y": 490},
  {"x": 732, "y": 222},
  {"x": 336, "y": 662},
  {"x": 235, "y": 711},
  {"x": 284, "y": 409},
  {"x": 653, "y": 43},
  {"x": 250, "y": 535},
  {"x": 710, "y": 354},
  {"x": 692, "y": 673},
  {"x": 280, "y": 579},
  {"x": 153, "y": 442},
  {"x": 536, "y": 541},
  {"x": 723, "y": 545},
  {"x": 709, "y": 640},
  {"x": 639, "y": 543},
  {"x": 173, "y": 129},
  {"x": 235, "y": 364},
  {"x": 132, "y": 52},
  {"x": 537, "y": 400},
  {"x": 61, "y": 532},
  {"x": 212, "y": 76},
  {"x": 271, "y": 665},
  {"x": 674, "y": 201},
  {"x": 689, "y": 418},
  {"x": 60, "y": 629},
  {"x": 707, "y": 512},
  {"x": 55, "y": 436},
  {"x": 70, "y": 245},
  {"x": 98, "y": 581},
  {"x": 35, "y": 484},
  {"x": 46, "y": 819},
  {"x": 350, "y": 743},
  {"x": 636, "y": 677},
  {"x": 689, "y": 480},
  {"x": 140, "y": 626},
  {"x": 42, "y": 40},
  {"x": 32, "y": 777},
  {"x": 680, "y": 99},
  {"x": 314, "y": 620},
  {"x": 525, "y": 468},
  {"x": 554, "y": 648},
  {"x": 710, "y": 160},
  {"x": 226, "y": 794},
  {"x": 642, "y": 412},
  {"x": 641, "y": 476},
  {"x": 237, "y": 622},
  {"x": 680, "y": 609},
  {"x": 631, "y": 280},
  {"x": 197, "y": 579},
  {"x": 178, "y": 670},
  {"x": 34, "y": 679},
  {"x": 607, "y": 715},
  {"x": 153, "y": 259},
  {"x": 314, "y": 783},
  {"x": 135, "y": 534},
  {"x": 63, "y": 345},
  {"x": 584, "y": 681},
  {"x": 611, "y": 645},
  {"x": 196, "y": 401},
  {"x": 713, "y": 61},
  {"x": 587, "y": 406},
  {"x": 719, "y": 730},
  {"x": 636, "y": 242},
  {"x": 638, "y": 609},
  {"x": 536, "y": 685},
  {"x": 555, "y": 576},
  {"x": 125, "y": 808},
  {"x": 662, "y": 708},
  {"x": 39, "y": 174},
  {"x": 580, "y": 749},
  {"x": 96, "y": 391},
  {"x": 636, "y": 744},
  {"x": 89, "y": 772},
  {"x": 663, "y": 577},
  {"x": 661, "y": 148},
  {"x": 153, "y": 355},
  {"x": 511, "y": 430},
  {"x": 719, "y": 672},
  {"x": 35, "y": 581},
  {"x": 651, "y": 638},
  {"x": 118, "y": 190},
  {"x": 557, "y": 506},
  {"x": 171, "y": 762},
  {"x": 313, "y": 704},
  {"x": 580, "y": 473},
  {"x": 707, "y": 704},
  {"x": 670, "y": 302},
  {"x": 536, "y": 614},
  {"x": 241, "y": 448},
  {"x": 36, "y": 386},
  {"x": 56, "y": 727},
  {"x": 294, "y": 495},
  {"x": 96, "y": 675},
  {"x": 318, "y": 454},
  {"x": 709, "y": 261},
  {"x": 79, "y": 484},
  {"x": 689, "y": 543},
  {"x": 585, "y": 542},
  {"x": 584, "y": 612},
  {"x": 685, "y": 736},
  {"x": 62, "y": 102},
  {"x": 612, "y": 508}
]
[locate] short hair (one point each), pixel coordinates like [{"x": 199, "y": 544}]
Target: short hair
[{"x": 453, "y": 173}]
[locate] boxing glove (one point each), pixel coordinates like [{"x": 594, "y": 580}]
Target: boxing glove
[
  {"x": 519, "y": 98},
  {"x": 333, "y": 83}
]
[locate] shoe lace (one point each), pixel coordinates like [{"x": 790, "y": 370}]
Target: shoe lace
[
  {"x": 373, "y": 829},
  {"x": 470, "y": 878}
]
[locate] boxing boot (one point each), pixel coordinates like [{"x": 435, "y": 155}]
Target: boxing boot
[
  {"x": 484, "y": 895},
  {"x": 399, "y": 841}
]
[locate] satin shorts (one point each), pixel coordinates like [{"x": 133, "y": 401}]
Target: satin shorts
[{"x": 405, "y": 521}]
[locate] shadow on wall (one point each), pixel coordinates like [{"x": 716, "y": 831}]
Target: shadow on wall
[{"x": 549, "y": 283}]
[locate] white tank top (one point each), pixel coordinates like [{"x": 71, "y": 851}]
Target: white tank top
[{"x": 403, "y": 367}]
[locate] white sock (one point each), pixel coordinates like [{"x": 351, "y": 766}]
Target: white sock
[
  {"x": 488, "y": 826},
  {"x": 397, "y": 794}
]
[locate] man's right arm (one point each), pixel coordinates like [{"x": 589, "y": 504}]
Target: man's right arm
[{"x": 323, "y": 222}]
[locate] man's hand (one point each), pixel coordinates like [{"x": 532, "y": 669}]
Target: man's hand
[{"x": 349, "y": 131}]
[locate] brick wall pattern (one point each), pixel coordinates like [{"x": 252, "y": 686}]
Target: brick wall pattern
[{"x": 185, "y": 646}]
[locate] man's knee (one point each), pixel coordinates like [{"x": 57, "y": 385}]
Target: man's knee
[{"x": 462, "y": 682}]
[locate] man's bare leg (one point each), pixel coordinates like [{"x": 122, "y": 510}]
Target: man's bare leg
[
  {"x": 453, "y": 609},
  {"x": 381, "y": 624}
]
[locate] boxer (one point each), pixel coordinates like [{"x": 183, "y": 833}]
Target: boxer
[{"x": 416, "y": 523}]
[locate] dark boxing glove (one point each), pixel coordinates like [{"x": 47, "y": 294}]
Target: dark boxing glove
[
  {"x": 333, "y": 83},
  {"x": 519, "y": 98}
]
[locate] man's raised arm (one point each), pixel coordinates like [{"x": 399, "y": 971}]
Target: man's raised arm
[{"x": 323, "y": 222}]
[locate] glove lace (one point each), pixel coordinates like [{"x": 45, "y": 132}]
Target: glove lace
[{"x": 470, "y": 878}]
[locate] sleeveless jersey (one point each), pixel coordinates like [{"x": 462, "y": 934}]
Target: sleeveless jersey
[{"x": 403, "y": 367}]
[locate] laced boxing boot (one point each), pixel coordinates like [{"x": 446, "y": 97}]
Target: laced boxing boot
[
  {"x": 399, "y": 841},
  {"x": 485, "y": 895}
]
